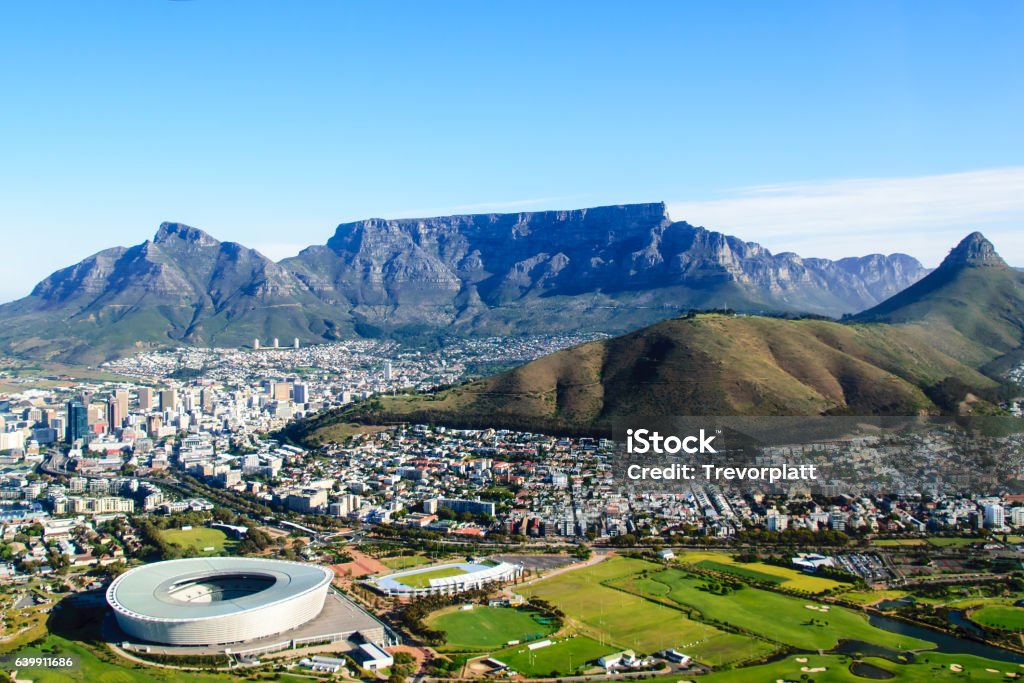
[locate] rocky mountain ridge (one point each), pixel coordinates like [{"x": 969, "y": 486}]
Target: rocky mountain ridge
[{"x": 612, "y": 269}]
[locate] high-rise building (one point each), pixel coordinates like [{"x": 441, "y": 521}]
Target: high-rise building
[
  {"x": 277, "y": 343},
  {"x": 995, "y": 516},
  {"x": 296, "y": 344},
  {"x": 256, "y": 344},
  {"x": 145, "y": 399},
  {"x": 115, "y": 415},
  {"x": 777, "y": 522},
  {"x": 168, "y": 400},
  {"x": 387, "y": 371},
  {"x": 122, "y": 400},
  {"x": 300, "y": 394},
  {"x": 78, "y": 421},
  {"x": 280, "y": 391}
]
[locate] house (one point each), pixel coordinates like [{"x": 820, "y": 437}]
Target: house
[
  {"x": 677, "y": 657},
  {"x": 327, "y": 664},
  {"x": 625, "y": 657},
  {"x": 372, "y": 658}
]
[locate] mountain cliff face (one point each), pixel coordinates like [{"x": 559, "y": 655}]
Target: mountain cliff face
[
  {"x": 611, "y": 269},
  {"x": 616, "y": 265}
]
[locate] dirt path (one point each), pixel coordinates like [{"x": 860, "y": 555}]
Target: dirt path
[{"x": 361, "y": 565}]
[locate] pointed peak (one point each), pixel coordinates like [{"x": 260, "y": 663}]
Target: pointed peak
[
  {"x": 973, "y": 251},
  {"x": 185, "y": 233}
]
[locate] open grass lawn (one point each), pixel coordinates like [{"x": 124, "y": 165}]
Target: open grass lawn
[
  {"x": 869, "y": 597},
  {"x": 952, "y": 541},
  {"x": 1001, "y": 617},
  {"x": 928, "y": 667},
  {"x": 631, "y": 621},
  {"x": 483, "y": 628},
  {"x": 777, "y": 617},
  {"x": 563, "y": 657},
  {"x": 741, "y": 571},
  {"x": 198, "y": 537},
  {"x": 899, "y": 542},
  {"x": 405, "y": 562},
  {"x": 422, "y": 580},
  {"x": 108, "y": 669},
  {"x": 760, "y": 571}
]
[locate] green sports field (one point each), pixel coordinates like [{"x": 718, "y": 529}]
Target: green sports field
[
  {"x": 784, "y": 619},
  {"x": 631, "y": 621},
  {"x": 198, "y": 537},
  {"x": 899, "y": 542},
  {"x": 483, "y": 628},
  {"x": 1000, "y": 617},
  {"x": 422, "y": 579},
  {"x": 792, "y": 579},
  {"x": 952, "y": 542},
  {"x": 563, "y": 657}
]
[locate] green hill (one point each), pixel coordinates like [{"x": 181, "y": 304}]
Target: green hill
[
  {"x": 925, "y": 351},
  {"x": 971, "y": 306}
]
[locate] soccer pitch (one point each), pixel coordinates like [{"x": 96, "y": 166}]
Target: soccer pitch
[
  {"x": 422, "y": 579},
  {"x": 482, "y": 628}
]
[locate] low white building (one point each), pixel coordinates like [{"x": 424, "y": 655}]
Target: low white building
[{"x": 372, "y": 658}]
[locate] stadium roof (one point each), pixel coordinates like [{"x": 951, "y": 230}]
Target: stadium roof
[{"x": 146, "y": 591}]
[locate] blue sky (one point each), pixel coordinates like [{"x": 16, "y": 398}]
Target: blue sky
[{"x": 829, "y": 129}]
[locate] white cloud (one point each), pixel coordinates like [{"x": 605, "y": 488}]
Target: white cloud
[
  {"x": 275, "y": 251},
  {"x": 923, "y": 216}
]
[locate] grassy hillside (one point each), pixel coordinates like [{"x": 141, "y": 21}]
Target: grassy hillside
[
  {"x": 977, "y": 314},
  {"x": 708, "y": 364}
]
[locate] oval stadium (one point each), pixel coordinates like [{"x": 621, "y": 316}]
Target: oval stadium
[{"x": 218, "y": 600}]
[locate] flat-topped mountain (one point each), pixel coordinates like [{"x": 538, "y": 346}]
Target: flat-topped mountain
[{"x": 609, "y": 269}]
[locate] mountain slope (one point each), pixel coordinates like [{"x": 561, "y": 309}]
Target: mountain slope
[
  {"x": 182, "y": 287},
  {"x": 923, "y": 350},
  {"x": 707, "y": 364},
  {"x": 972, "y": 305}
]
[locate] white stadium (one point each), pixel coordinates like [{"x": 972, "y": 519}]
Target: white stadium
[
  {"x": 218, "y": 600},
  {"x": 447, "y": 578}
]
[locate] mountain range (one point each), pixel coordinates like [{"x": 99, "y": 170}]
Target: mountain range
[
  {"x": 610, "y": 269},
  {"x": 932, "y": 348}
]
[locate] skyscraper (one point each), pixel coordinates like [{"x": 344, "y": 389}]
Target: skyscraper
[
  {"x": 168, "y": 399},
  {"x": 145, "y": 399},
  {"x": 78, "y": 421},
  {"x": 121, "y": 395},
  {"x": 115, "y": 415}
]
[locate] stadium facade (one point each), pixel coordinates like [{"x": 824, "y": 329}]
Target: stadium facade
[
  {"x": 217, "y": 600},
  {"x": 472, "y": 575}
]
